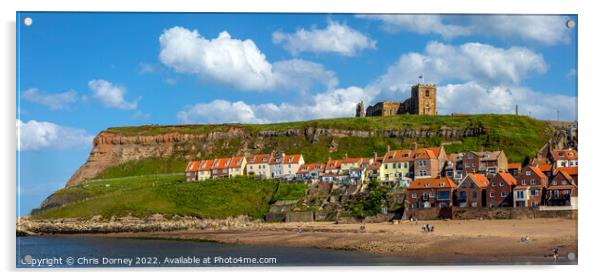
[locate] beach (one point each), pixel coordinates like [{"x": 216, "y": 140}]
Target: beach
[{"x": 488, "y": 239}]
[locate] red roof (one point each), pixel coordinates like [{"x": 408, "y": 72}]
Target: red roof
[
  {"x": 514, "y": 165},
  {"x": 309, "y": 167},
  {"x": 261, "y": 158},
  {"x": 569, "y": 170},
  {"x": 424, "y": 153},
  {"x": 236, "y": 162},
  {"x": 351, "y": 160},
  {"x": 564, "y": 154},
  {"x": 374, "y": 166},
  {"x": 205, "y": 165},
  {"x": 221, "y": 163},
  {"x": 292, "y": 159},
  {"x": 479, "y": 179},
  {"x": 436, "y": 151},
  {"x": 537, "y": 171},
  {"x": 508, "y": 178},
  {"x": 545, "y": 167},
  {"x": 397, "y": 156},
  {"x": 333, "y": 164},
  {"x": 426, "y": 183},
  {"x": 193, "y": 166}
]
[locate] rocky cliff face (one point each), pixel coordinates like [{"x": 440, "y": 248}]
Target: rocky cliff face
[{"x": 110, "y": 149}]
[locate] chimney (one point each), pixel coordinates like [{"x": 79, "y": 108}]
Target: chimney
[
  {"x": 481, "y": 149},
  {"x": 388, "y": 148},
  {"x": 346, "y": 156},
  {"x": 374, "y": 155},
  {"x": 329, "y": 158},
  {"x": 415, "y": 146}
]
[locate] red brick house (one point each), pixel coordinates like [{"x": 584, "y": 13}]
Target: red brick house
[
  {"x": 572, "y": 171},
  {"x": 514, "y": 168},
  {"x": 499, "y": 190},
  {"x": 472, "y": 191},
  {"x": 431, "y": 192},
  {"x": 530, "y": 185},
  {"x": 562, "y": 191}
]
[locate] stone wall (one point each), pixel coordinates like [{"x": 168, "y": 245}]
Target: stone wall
[{"x": 487, "y": 213}]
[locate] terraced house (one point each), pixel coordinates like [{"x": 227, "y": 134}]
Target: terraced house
[
  {"x": 259, "y": 166},
  {"x": 472, "y": 191},
  {"x": 431, "y": 192},
  {"x": 499, "y": 191},
  {"x": 485, "y": 162},
  {"x": 396, "y": 165},
  {"x": 530, "y": 185}
]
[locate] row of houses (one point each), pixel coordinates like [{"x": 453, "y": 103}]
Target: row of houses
[
  {"x": 264, "y": 166},
  {"x": 433, "y": 178},
  {"x": 530, "y": 188}
]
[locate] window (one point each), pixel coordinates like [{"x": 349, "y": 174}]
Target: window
[
  {"x": 564, "y": 182},
  {"x": 520, "y": 194},
  {"x": 501, "y": 184},
  {"x": 522, "y": 182},
  {"x": 504, "y": 194},
  {"x": 443, "y": 195},
  {"x": 493, "y": 184},
  {"x": 492, "y": 194},
  {"x": 432, "y": 194},
  {"x": 533, "y": 181},
  {"x": 534, "y": 192},
  {"x": 474, "y": 195},
  {"x": 554, "y": 183},
  {"x": 427, "y": 93},
  {"x": 528, "y": 173},
  {"x": 386, "y": 166}
]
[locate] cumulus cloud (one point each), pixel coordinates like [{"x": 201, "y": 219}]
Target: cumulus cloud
[
  {"x": 452, "y": 98},
  {"x": 111, "y": 95},
  {"x": 38, "y": 135},
  {"x": 542, "y": 29},
  {"x": 236, "y": 63},
  {"x": 335, "y": 38},
  {"x": 475, "y": 62},
  {"x": 56, "y": 101},
  {"x": 330, "y": 104}
]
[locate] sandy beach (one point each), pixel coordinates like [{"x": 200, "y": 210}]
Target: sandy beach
[{"x": 489, "y": 239}]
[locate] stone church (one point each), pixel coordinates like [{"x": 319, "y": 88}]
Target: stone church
[{"x": 423, "y": 101}]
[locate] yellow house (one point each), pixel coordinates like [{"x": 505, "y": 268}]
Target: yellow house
[
  {"x": 236, "y": 166},
  {"x": 395, "y": 166},
  {"x": 204, "y": 171}
]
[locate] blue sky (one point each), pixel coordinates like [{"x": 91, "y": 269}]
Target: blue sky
[{"x": 79, "y": 73}]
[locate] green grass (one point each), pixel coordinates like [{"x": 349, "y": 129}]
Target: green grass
[
  {"x": 292, "y": 191},
  {"x": 519, "y": 136},
  {"x": 169, "y": 195},
  {"x": 144, "y": 167}
]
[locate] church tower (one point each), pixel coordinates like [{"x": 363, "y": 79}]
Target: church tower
[{"x": 424, "y": 100}]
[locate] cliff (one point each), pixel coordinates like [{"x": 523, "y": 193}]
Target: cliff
[{"x": 518, "y": 136}]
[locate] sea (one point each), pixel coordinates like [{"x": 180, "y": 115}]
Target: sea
[{"x": 45, "y": 252}]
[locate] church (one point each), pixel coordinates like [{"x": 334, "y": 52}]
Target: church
[{"x": 422, "y": 101}]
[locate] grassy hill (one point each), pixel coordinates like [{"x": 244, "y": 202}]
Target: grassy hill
[
  {"x": 519, "y": 136},
  {"x": 170, "y": 195}
]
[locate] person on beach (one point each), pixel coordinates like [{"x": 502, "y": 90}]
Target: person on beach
[
  {"x": 299, "y": 229},
  {"x": 555, "y": 253},
  {"x": 362, "y": 227}
]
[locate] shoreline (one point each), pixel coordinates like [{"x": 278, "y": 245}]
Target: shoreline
[{"x": 490, "y": 240}]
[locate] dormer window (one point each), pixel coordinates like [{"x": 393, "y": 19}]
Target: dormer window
[{"x": 528, "y": 173}]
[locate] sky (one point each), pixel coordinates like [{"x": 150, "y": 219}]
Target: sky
[{"x": 80, "y": 73}]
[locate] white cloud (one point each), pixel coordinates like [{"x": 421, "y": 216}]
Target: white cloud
[
  {"x": 56, "y": 101},
  {"x": 111, "y": 95},
  {"x": 453, "y": 98},
  {"x": 38, "y": 135},
  {"x": 542, "y": 29},
  {"x": 336, "y": 37},
  {"x": 329, "y": 104},
  {"x": 571, "y": 73},
  {"x": 475, "y": 62},
  {"x": 236, "y": 63},
  {"x": 421, "y": 24}
]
